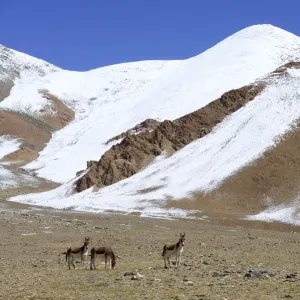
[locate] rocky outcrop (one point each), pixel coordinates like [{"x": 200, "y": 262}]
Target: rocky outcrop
[
  {"x": 145, "y": 126},
  {"x": 137, "y": 151},
  {"x": 5, "y": 87}
]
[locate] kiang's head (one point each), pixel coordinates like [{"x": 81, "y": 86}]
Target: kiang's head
[
  {"x": 114, "y": 261},
  {"x": 182, "y": 238},
  {"x": 86, "y": 241}
]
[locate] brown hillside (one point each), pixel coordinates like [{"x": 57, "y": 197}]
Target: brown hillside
[
  {"x": 272, "y": 179},
  {"x": 32, "y": 136},
  {"x": 62, "y": 116},
  {"x": 33, "y": 132},
  {"x": 13, "y": 124}
]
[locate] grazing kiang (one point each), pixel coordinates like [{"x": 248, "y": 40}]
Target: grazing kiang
[
  {"x": 78, "y": 252},
  {"x": 104, "y": 252},
  {"x": 176, "y": 250}
]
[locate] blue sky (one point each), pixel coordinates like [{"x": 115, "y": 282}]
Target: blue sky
[{"x": 82, "y": 35}]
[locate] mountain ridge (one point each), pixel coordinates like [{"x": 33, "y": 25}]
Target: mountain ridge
[
  {"x": 109, "y": 101},
  {"x": 149, "y": 89}
]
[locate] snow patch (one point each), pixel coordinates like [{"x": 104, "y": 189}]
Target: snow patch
[
  {"x": 282, "y": 213},
  {"x": 10, "y": 180},
  {"x": 8, "y": 145}
]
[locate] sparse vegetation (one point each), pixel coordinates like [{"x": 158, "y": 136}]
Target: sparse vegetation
[{"x": 214, "y": 261}]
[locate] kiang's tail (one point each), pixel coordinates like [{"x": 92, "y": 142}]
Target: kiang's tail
[{"x": 164, "y": 251}]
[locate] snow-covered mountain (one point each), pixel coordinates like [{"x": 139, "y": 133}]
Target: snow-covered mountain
[
  {"x": 127, "y": 94},
  {"x": 202, "y": 165},
  {"x": 113, "y": 99},
  {"x": 14, "y": 64}
]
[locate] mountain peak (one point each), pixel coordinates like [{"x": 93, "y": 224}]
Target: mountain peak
[
  {"x": 13, "y": 62},
  {"x": 264, "y": 30}
]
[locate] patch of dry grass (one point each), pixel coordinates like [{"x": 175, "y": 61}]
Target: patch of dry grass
[{"x": 214, "y": 261}]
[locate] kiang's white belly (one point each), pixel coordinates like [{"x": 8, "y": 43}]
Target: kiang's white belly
[
  {"x": 173, "y": 252},
  {"x": 78, "y": 255}
]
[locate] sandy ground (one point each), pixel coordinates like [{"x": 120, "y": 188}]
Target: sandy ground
[{"x": 214, "y": 261}]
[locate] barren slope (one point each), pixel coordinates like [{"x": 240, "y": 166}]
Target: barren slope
[{"x": 271, "y": 180}]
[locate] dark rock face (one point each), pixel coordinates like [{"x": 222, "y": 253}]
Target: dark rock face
[
  {"x": 145, "y": 126},
  {"x": 136, "y": 151},
  {"x": 253, "y": 274},
  {"x": 5, "y": 87}
]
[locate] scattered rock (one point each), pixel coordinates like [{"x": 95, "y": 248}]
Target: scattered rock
[
  {"x": 253, "y": 274},
  {"x": 100, "y": 228},
  {"x": 292, "y": 275},
  {"x": 130, "y": 273},
  {"x": 137, "y": 277},
  {"x": 189, "y": 283},
  {"x": 179, "y": 297},
  {"x": 218, "y": 274}
]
